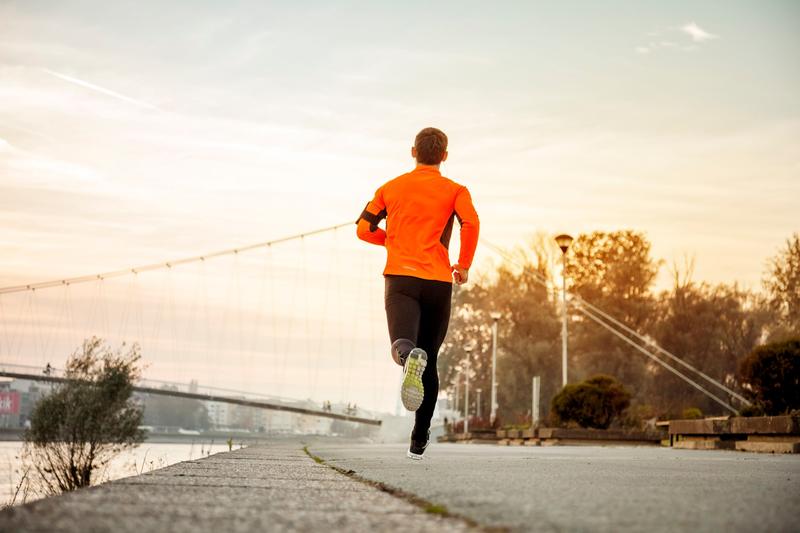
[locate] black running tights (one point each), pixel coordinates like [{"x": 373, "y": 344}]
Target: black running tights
[{"x": 419, "y": 310}]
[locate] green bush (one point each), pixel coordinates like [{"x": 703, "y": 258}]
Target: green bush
[
  {"x": 593, "y": 403},
  {"x": 86, "y": 420},
  {"x": 638, "y": 416},
  {"x": 692, "y": 413},
  {"x": 751, "y": 410},
  {"x": 771, "y": 376}
]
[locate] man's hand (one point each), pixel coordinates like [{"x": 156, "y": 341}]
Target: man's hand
[{"x": 460, "y": 275}]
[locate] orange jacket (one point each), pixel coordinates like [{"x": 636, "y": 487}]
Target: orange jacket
[{"x": 419, "y": 208}]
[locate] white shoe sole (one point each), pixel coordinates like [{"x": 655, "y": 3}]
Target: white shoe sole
[
  {"x": 412, "y": 391},
  {"x": 413, "y": 456}
]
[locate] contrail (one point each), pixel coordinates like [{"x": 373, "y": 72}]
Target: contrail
[{"x": 102, "y": 90}]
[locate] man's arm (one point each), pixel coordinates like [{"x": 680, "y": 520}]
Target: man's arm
[
  {"x": 367, "y": 224},
  {"x": 470, "y": 229}
]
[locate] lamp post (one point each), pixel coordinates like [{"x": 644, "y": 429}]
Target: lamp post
[
  {"x": 458, "y": 386},
  {"x": 564, "y": 241},
  {"x": 478, "y": 404},
  {"x": 467, "y": 349},
  {"x": 495, "y": 316}
]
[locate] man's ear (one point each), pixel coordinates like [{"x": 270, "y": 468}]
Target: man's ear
[
  {"x": 444, "y": 157},
  {"x": 414, "y": 152}
]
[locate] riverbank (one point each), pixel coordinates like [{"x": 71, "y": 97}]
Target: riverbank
[
  {"x": 16, "y": 435},
  {"x": 270, "y": 487}
]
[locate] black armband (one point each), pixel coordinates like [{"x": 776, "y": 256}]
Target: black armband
[{"x": 373, "y": 220}]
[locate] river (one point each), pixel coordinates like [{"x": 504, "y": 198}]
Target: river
[{"x": 146, "y": 457}]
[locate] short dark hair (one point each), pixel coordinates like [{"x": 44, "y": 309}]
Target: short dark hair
[{"x": 431, "y": 144}]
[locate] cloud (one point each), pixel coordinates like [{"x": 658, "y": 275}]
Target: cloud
[
  {"x": 103, "y": 90},
  {"x": 675, "y": 38},
  {"x": 697, "y": 33}
]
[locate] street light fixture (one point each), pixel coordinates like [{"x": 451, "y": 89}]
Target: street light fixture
[
  {"x": 495, "y": 316},
  {"x": 478, "y": 403},
  {"x": 467, "y": 349},
  {"x": 564, "y": 241}
]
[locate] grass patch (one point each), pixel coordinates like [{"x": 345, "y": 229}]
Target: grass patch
[
  {"x": 436, "y": 509},
  {"x": 318, "y": 460}
]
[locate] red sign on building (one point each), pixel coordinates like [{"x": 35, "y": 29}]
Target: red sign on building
[{"x": 9, "y": 402}]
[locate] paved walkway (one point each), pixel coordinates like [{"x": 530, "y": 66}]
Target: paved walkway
[
  {"x": 590, "y": 488},
  {"x": 261, "y": 488}
]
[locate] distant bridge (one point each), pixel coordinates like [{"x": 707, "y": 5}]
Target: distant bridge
[{"x": 259, "y": 404}]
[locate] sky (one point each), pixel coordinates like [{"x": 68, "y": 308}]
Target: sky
[{"x": 133, "y": 132}]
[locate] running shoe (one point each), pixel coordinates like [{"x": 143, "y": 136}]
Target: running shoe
[
  {"x": 417, "y": 448},
  {"x": 412, "y": 391}
]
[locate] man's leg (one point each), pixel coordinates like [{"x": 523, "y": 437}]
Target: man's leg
[
  {"x": 435, "y": 317},
  {"x": 402, "y": 314}
]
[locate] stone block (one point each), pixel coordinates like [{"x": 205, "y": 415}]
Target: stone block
[
  {"x": 773, "y": 438},
  {"x": 699, "y": 427},
  {"x": 768, "y": 447},
  {"x": 703, "y": 444},
  {"x": 769, "y": 425},
  {"x": 546, "y": 433}
]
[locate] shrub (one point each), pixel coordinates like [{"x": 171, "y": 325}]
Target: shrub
[
  {"x": 593, "y": 403},
  {"x": 751, "y": 410},
  {"x": 771, "y": 376},
  {"x": 86, "y": 420},
  {"x": 638, "y": 416},
  {"x": 692, "y": 413}
]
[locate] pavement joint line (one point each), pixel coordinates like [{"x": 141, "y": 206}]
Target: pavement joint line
[
  {"x": 425, "y": 505},
  {"x": 262, "y": 478},
  {"x": 249, "y": 487}
]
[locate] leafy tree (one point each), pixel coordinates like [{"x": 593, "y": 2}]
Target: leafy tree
[
  {"x": 783, "y": 286},
  {"x": 615, "y": 272},
  {"x": 84, "y": 422},
  {"x": 528, "y": 334},
  {"x": 593, "y": 403},
  {"x": 710, "y": 327},
  {"x": 771, "y": 375}
]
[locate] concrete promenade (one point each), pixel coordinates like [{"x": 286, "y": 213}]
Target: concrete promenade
[
  {"x": 261, "y": 488},
  {"x": 374, "y": 487},
  {"x": 591, "y": 488}
]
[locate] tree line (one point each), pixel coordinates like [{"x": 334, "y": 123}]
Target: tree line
[{"x": 710, "y": 326}]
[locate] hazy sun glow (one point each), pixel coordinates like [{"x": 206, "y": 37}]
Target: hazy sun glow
[{"x": 133, "y": 133}]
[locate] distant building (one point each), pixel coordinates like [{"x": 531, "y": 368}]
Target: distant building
[
  {"x": 9, "y": 406},
  {"x": 21, "y": 397},
  {"x": 219, "y": 414}
]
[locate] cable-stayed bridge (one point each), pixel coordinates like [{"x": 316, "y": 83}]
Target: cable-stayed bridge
[
  {"x": 270, "y": 324},
  {"x": 288, "y": 322}
]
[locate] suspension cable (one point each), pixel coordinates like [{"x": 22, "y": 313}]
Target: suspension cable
[
  {"x": 165, "y": 264},
  {"x": 659, "y": 361},
  {"x": 580, "y": 301},
  {"x": 658, "y": 348}
]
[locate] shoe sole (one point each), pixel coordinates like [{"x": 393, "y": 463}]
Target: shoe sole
[
  {"x": 413, "y": 456},
  {"x": 412, "y": 391}
]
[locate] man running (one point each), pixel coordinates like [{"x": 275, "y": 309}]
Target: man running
[{"x": 419, "y": 208}]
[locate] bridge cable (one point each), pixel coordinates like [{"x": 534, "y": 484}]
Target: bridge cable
[
  {"x": 685, "y": 378},
  {"x": 658, "y": 348},
  {"x": 162, "y": 265},
  {"x": 543, "y": 281}
]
